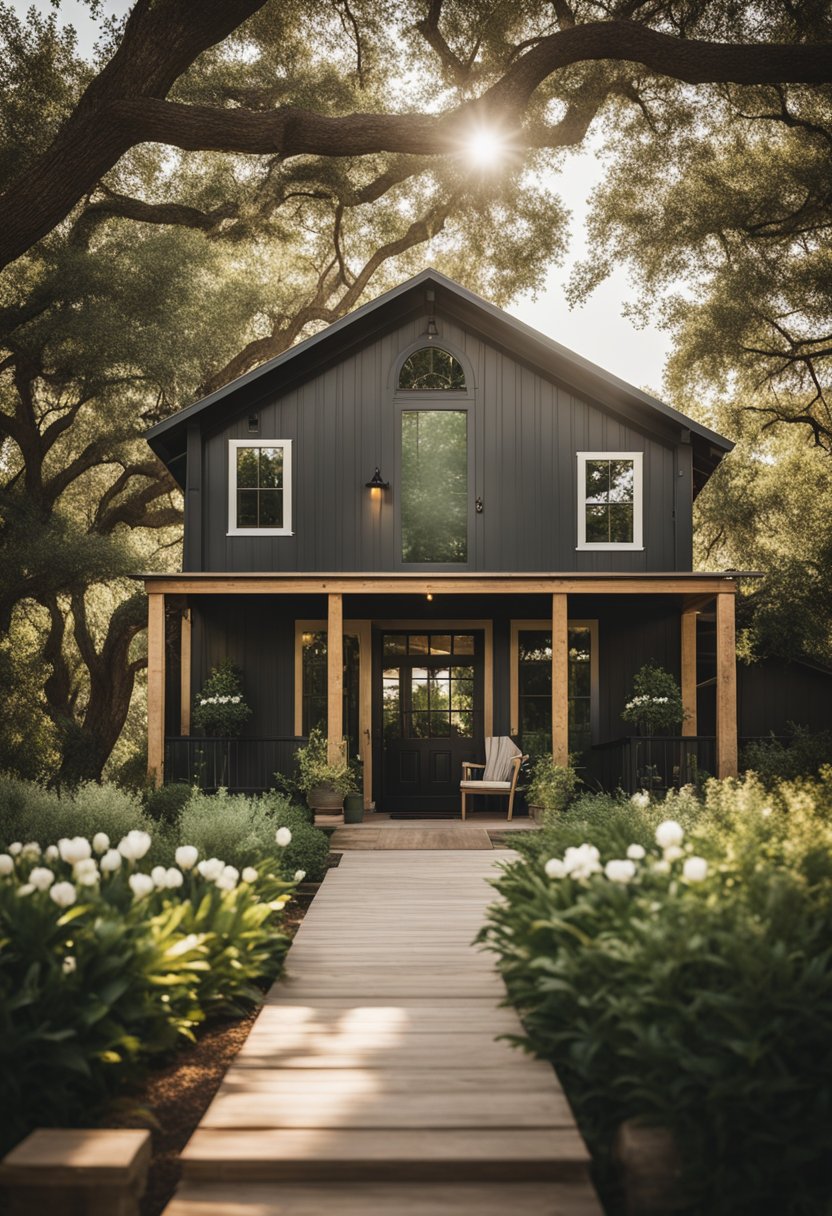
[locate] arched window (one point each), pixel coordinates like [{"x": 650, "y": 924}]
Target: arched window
[{"x": 431, "y": 368}]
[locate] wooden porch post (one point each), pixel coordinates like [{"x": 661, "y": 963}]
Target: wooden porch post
[
  {"x": 689, "y": 722},
  {"x": 155, "y": 688},
  {"x": 185, "y": 672},
  {"x": 560, "y": 679},
  {"x": 335, "y": 678},
  {"x": 726, "y": 686}
]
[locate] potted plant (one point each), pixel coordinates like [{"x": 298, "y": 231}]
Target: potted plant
[
  {"x": 656, "y": 703},
  {"x": 220, "y": 708},
  {"x": 324, "y": 784},
  {"x": 354, "y": 802},
  {"x": 551, "y": 787}
]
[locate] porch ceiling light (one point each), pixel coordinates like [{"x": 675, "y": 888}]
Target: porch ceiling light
[{"x": 377, "y": 483}]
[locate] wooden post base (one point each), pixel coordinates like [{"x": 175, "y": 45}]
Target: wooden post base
[{"x": 77, "y": 1172}]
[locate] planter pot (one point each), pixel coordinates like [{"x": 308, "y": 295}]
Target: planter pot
[
  {"x": 535, "y": 812},
  {"x": 650, "y": 1169},
  {"x": 354, "y": 808},
  {"x": 325, "y": 798}
]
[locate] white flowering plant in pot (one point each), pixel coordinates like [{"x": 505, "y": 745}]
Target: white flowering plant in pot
[
  {"x": 656, "y": 701},
  {"x": 220, "y": 707}
]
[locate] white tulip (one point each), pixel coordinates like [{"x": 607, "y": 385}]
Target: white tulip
[
  {"x": 669, "y": 833},
  {"x": 641, "y": 799},
  {"x": 140, "y": 885},
  {"x": 69, "y": 965},
  {"x": 110, "y": 861},
  {"x": 620, "y": 870},
  {"x": 211, "y": 869},
  {"x": 101, "y": 842},
  {"x": 85, "y": 872},
  {"x": 6, "y": 865},
  {"x": 173, "y": 878},
  {"x": 635, "y": 852},
  {"x": 695, "y": 869},
  {"x": 26, "y": 889},
  {"x": 134, "y": 845},
  {"x": 63, "y": 893},
  {"x": 76, "y": 849},
  {"x": 283, "y": 837},
  {"x": 51, "y": 853},
  {"x": 41, "y": 878},
  {"x": 31, "y": 849},
  {"x": 555, "y": 868},
  {"x": 300, "y": 875},
  {"x": 225, "y": 882},
  {"x": 160, "y": 877},
  {"x": 662, "y": 867},
  {"x": 15, "y": 848},
  {"x": 673, "y": 853},
  {"x": 582, "y": 861},
  {"x": 185, "y": 856},
  {"x": 249, "y": 874}
]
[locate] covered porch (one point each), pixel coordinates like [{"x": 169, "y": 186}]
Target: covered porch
[{"x": 504, "y": 645}]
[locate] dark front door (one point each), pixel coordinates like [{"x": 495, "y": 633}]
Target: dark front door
[{"x": 428, "y": 715}]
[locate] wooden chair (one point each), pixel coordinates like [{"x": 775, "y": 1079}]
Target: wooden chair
[{"x": 497, "y": 761}]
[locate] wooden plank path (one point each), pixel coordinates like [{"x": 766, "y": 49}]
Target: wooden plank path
[{"x": 372, "y": 1081}]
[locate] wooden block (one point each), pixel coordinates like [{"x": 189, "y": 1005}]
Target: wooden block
[{"x": 77, "y": 1172}]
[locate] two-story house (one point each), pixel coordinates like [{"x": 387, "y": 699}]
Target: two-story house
[{"x": 425, "y": 525}]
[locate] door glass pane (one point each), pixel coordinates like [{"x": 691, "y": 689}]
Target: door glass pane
[
  {"x": 417, "y": 643},
  {"x": 395, "y": 643},
  {"x": 462, "y": 725},
  {"x": 440, "y": 643},
  {"x": 434, "y": 496},
  {"x": 440, "y": 726},
  {"x": 463, "y": 643}
]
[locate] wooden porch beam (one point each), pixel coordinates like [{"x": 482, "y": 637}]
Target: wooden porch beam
[
  {"x": 335, "y": 678},
  {"x": 185, "y": 672},
  {"x": 727, "y": 760},
  {"x": 156, "y": 688},
  {"x": 689, "y": 722},
  {"x": 368, "y": 584},
  {"x": 560, "y": 679}
]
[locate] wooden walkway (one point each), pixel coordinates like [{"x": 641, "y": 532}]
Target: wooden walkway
[{"x": 372, "y": 1081}]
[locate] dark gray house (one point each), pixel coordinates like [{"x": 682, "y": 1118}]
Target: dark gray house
[{"x": 425, "y": 525}]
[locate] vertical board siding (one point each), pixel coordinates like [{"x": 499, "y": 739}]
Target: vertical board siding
[{"x": 524, "y": 432}]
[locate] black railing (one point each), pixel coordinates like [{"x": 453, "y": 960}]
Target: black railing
[
  {"x": 238, "y": 765},
  {"x": 654, "y": 762}
]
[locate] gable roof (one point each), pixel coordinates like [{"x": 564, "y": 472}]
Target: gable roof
[{"x": 168, "y": 439}]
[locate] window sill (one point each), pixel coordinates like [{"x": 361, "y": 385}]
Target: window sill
[
  {"x": 259, "y": 532},
  {"x": 621, "y": 547}
]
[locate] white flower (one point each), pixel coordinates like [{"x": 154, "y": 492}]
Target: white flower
[
  {"x": 159, "y": 876},
  {"x": 140, "y": 885},
  {"x": 620, "y": 870},
  {"x": 63, "y": 894},
  {"x": 110, "y": 861},
  {"x": 635, "y": 852},
  {"x": 211, "y": 869},
  {"x": 673, "y": 853},
  {"x": 68, "y": 965},
  {"x": 283, "y": 837},
  {"x": 101, "y": 842},
  {"x": 555, "y": 868},
  {"x": 76, "y": 849},
  {"x": 26, "y": 889},
  {"x": 15, "y": 848},
  {"x": 582, "y": 861},
  {"x": 134, "y": 845},
  {"x": 185, "y": 856},
  {"x": 249, "y": 874},
  {"x": 661, "y": 867},
  {"x": 236, "y": 700},
  {"x": 299, "y": 875},
  {"x": 227, "y": 880},
  {"x": 6, "y": 865},
  {"x": 51, "y": 853},
  {"x": 641, "y": 799},
  {"x": 173, "y": 878},
  {"x": 41, "y": 878},
  {"x": 32, "y": 849},
  {"x": 85, "y": 872},
  {"x": 669, "y": 834},
  {"x": 695, "y": 869}
]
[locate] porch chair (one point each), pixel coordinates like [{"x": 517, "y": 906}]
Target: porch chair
[{"x": 500, "y": 772}]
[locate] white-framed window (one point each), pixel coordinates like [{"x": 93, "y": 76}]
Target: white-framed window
[
  {"x": 610, "y": 493},
  {"x": 260, "y": 487}
]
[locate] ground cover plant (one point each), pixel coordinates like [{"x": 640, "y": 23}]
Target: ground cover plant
[
  {"x": 115, "y": 948},
  {"x": 674, "y": 962}
]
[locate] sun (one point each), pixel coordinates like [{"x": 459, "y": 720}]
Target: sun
[{"x": 485, "y": 148}]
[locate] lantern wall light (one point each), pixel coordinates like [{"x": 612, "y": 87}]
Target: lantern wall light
[{"x": 377, "y": 483}]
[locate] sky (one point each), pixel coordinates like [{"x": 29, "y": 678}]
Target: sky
[{"x": 597, "y": 330}]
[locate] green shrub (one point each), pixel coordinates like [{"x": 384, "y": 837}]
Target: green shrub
[
  {"x": 29, "y": 811},
  {"x": 220, "y": 707},
  {"x": 803, "y": 754},
  {"x": 552, "y": 786},
  {"x": 702, "y": 1004},
  {"x": 166, "y": 804}
]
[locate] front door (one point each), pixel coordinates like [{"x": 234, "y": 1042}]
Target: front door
[{"x": 428, "y": 716}]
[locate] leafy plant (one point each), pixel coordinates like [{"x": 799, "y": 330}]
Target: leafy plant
[
  {"x": 314, "y": 768},
  {"x": 800, "y": 755},
  {"x": 552, "y": 785},
  {"x": 656, "y": 701},
  {"x": 220, "y": 708}
]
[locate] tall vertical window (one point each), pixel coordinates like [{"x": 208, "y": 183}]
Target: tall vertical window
[
  {"x": 610, "y": 500},
  {"x": 434, "y": 489},
  {"x": 534, "y": 689},
  {"x": 260, "y": 487},
  {"x": 314, "y": 685}
]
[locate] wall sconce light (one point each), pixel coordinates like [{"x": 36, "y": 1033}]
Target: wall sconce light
[
  {"x": 429, "y": 597},
  {"x": 431, "y": 331},
  {"x": 377, "y": 483}
]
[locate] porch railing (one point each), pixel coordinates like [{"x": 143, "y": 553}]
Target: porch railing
[
  {"x": 239, "y": 765},
  {"x": 655, "y": 762}
]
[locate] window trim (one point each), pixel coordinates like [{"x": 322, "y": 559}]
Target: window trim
[
  {"x": 637, "y": 543},
  {"x": 519, "y": 626},
  {"x": 234, "y": 445},
  {"x": 410, "y": 403}
]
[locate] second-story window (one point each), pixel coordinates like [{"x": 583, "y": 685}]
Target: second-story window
[
  {"x": 260, "y": 487},
  {"x": 431, "y": 369},
  {"x": 610, "y": 500}
]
